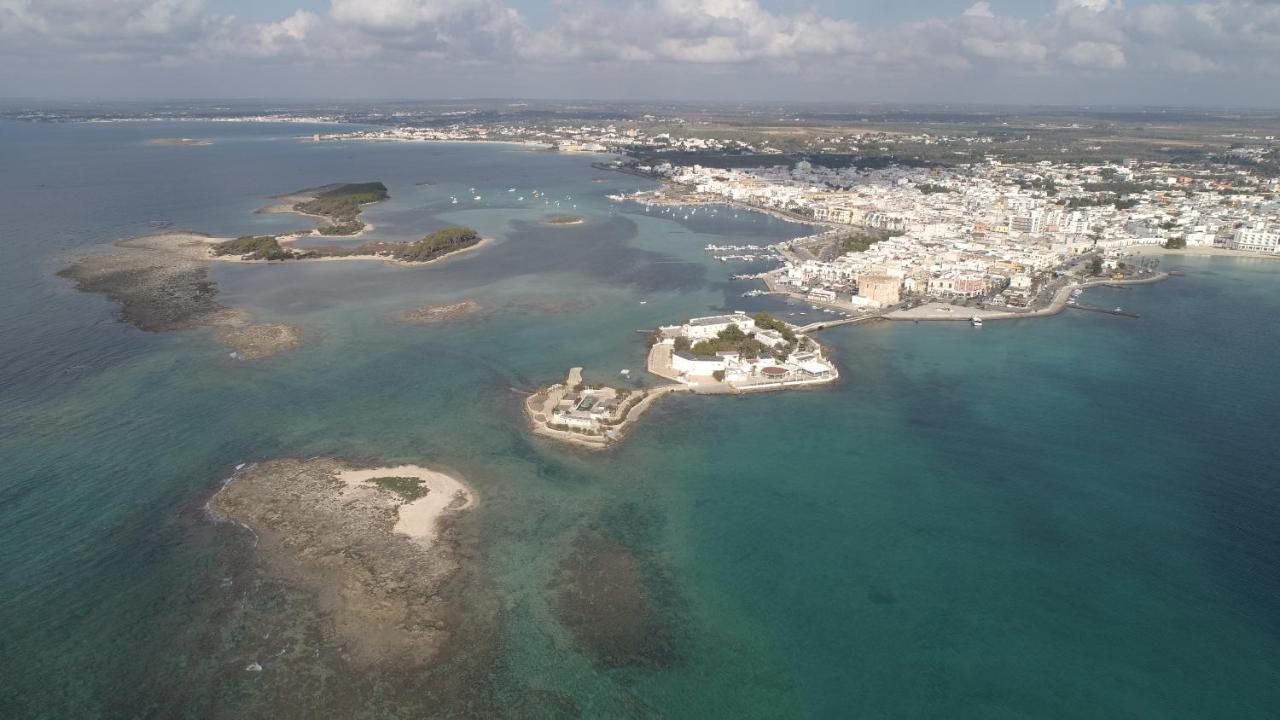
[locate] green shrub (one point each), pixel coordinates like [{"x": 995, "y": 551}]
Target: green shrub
[
  {"x": 409, "y": 488},
  {"x": 254, "y": 247}
]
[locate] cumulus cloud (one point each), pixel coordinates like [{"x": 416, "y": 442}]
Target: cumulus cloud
[
  {"x": 1089, "y": 6},
  {"x": 693, "y": 31},
  {"x": 295, "y": 37},
  {"x": 1071, "y": 39},
  {"x": 101, "y": 25},
  {"x": 1099, "y": 55},
  {"x": 465, "y": 29}
]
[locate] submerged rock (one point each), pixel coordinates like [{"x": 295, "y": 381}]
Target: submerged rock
[
  {"x": 612, "y": 604},
  {"x": 428, "y": 314},
  {"x": 336, "y": 539},
  {"x": 253, "y": 342},
  {"x": 155, "y": 293}
]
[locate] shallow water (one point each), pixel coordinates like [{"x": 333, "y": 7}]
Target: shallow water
[{"x": 1065, "y": 517}]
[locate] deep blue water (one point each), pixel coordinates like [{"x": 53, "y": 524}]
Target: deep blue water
[{"x": 1066, "y": 517}]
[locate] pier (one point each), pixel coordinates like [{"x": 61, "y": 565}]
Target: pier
[{"x": 823, "y": 325}]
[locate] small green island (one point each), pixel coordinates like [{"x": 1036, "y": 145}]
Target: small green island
[
  {"x": 162, "y": 281},
  {"x": 340, "y": 205},
  {"x": 271, "y": 247}
]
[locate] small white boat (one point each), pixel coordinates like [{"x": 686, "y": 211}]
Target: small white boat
[
  {"x": 977, "y": 321},
  {"x": 477, "y": 198}
]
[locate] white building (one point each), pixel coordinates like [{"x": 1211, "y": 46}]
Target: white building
[
  {"x": 1258, "y": 237},
  {"x": 687, "y": 364},
  {"x": 707, "y": 328}
]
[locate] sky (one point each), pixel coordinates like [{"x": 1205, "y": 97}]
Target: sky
[{"x": 1061, "y": 52}]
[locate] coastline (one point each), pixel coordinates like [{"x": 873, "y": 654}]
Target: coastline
[
  {"x": 932, "y": 312},
  {"x": 671, "y": 185},
  {"x": 1161, "y": 251},
  {"x": 527, "y": 144}
]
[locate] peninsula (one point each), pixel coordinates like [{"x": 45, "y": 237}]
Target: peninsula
[{"x": 724, "y": 354}]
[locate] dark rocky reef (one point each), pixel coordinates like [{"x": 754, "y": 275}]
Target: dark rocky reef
[
  {"x": 614, "y": 604},
  {"x": 156, "y": 294}
]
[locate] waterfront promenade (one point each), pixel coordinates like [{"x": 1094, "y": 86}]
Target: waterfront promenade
[{"x": 942, "y": 311}]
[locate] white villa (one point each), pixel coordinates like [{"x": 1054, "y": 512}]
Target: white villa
[{"x": 800, "y": 367}]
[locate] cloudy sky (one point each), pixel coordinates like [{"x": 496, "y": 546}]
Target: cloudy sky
[{"x": 1175, "y": 52}]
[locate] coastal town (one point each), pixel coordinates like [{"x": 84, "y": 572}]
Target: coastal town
[
  {"x": 891, "y": 239},
  {"x": 985, "y": 218},
  {"x": 999, "y": 235}
]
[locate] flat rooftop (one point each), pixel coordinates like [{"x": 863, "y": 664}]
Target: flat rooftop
[{"x": 719, "y": 320}]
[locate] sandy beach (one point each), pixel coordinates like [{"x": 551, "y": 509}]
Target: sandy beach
[{"x": 418, "y": 519}]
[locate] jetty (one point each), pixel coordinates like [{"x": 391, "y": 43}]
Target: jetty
[{"x": 825, "y": 324}]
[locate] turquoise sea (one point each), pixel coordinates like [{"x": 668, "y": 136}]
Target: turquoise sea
[{"x": 1071, "y": 517}]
